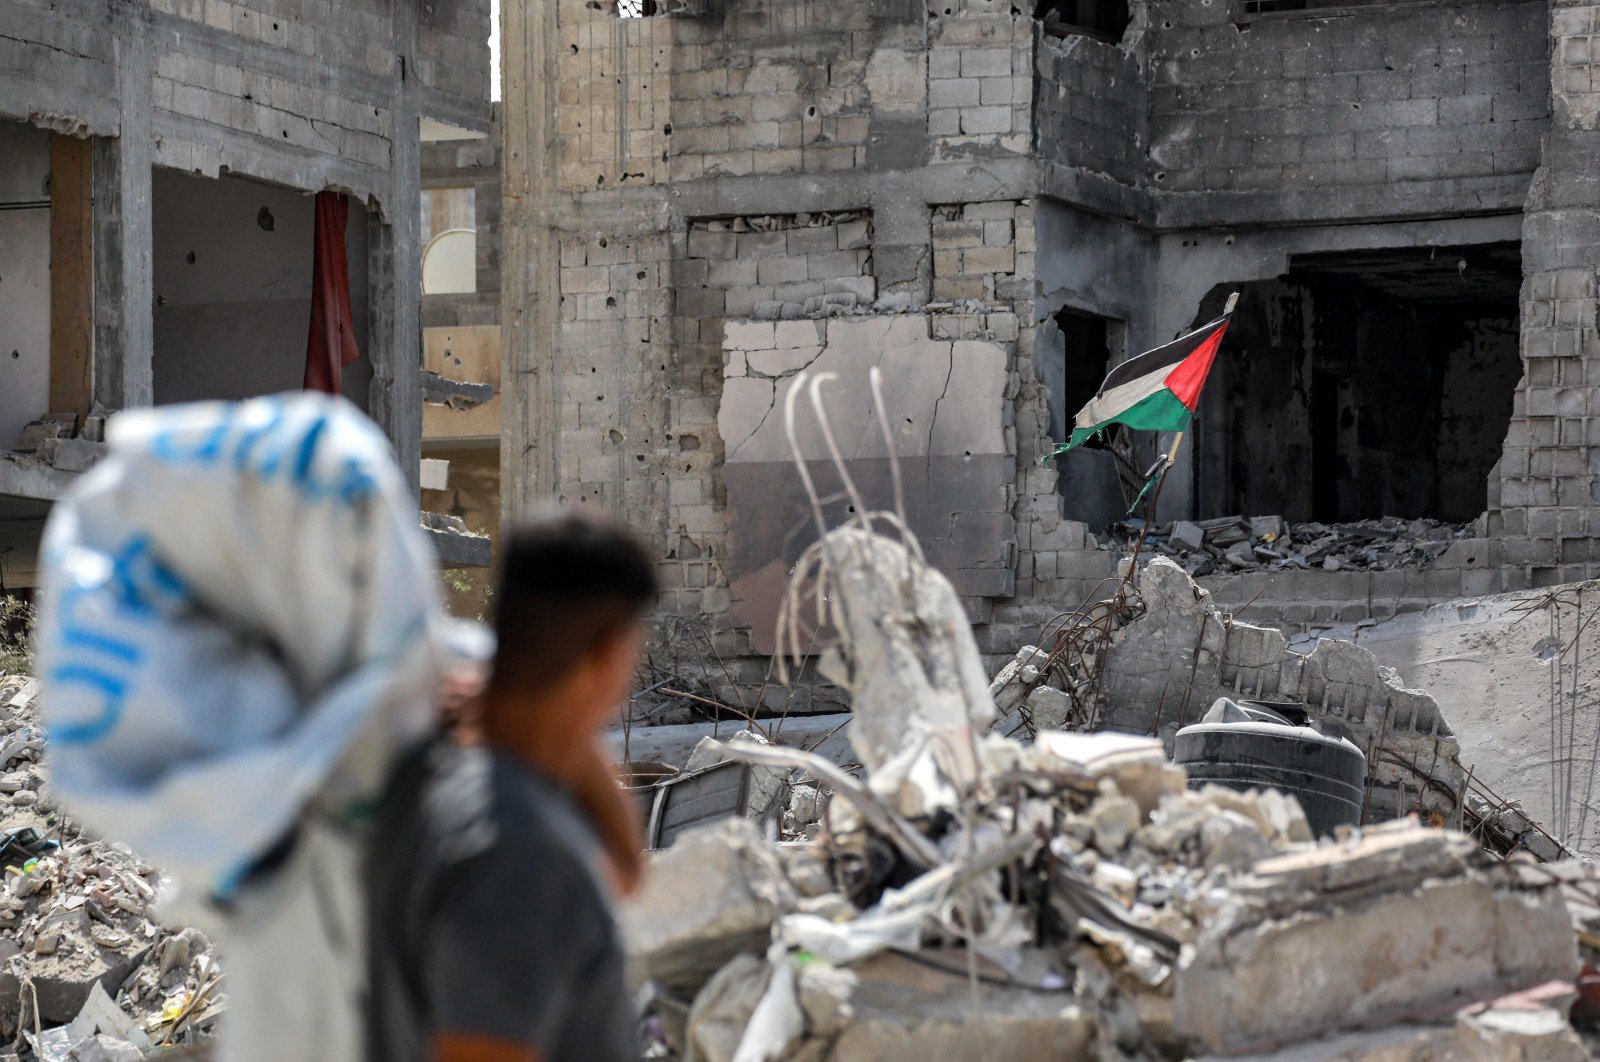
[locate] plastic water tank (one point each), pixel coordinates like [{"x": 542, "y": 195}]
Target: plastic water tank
[{"x": 1255, "y": 744}]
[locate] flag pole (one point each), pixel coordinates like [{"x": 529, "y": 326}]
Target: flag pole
[
  {"x": 1167, "y": 462},
  {"x": 1166, "y": 466}
]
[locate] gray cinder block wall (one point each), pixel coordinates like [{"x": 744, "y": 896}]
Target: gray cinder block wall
[{"x": 677, "y": 174}]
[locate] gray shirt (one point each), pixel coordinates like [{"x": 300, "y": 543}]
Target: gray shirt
[{"x": 487, "y": 916}]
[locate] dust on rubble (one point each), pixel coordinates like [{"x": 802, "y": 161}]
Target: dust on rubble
[
  {"x": 1028, "y": 892},
  {"x": 87, "y": 971}
]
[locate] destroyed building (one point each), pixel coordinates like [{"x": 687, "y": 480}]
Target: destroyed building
[
  {"x": 158, "y": 160},
  {"x": 993, "y": 201}
]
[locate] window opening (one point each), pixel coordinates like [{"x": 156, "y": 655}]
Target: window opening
[
  {"x": 1363, "y": 385},
  {"x": 1103, "y": 19}
]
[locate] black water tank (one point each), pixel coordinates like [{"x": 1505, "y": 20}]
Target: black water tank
[{"x": 1253, "y": 745}]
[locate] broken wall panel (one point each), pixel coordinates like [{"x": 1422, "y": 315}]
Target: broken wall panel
[
  {"x": 1093, "y": 107},
  {"x": 232, "y": 267},
  {"x": 943, "y": 402},
  {"x": 771, "y": 266},
  {"x": 1510, "y": 670}
]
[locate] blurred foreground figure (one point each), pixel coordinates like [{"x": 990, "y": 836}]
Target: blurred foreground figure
[
  {"x": 492, "y": 865},
  {"x": 239, "y": 638}
]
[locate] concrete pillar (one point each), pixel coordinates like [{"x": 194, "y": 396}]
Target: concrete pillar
[
  {"x": 394, "y": 269},
  {"x": 124, "y": 294},
  {"x": 530, "y": 298}
]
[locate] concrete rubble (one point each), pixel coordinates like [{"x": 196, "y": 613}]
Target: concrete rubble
[
  {"x": 1268, "y": 544},
  {"x": 88, "y": 970},
  {"x": 1069, "y": 896}
]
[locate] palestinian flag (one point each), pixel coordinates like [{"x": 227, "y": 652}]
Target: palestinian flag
[{"x": 1157, "y": 391}]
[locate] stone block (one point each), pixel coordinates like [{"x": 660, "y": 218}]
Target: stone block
[
  {"x": 711, "y": 896},
  {"x": 787, "y": 270},
  {"x": 904, "y": 1011},
  {"x": 1405, "y": 893},
  {"x": 955, "y": 92},
  {"x": 988, "y": 260},
  {"x": 985, "y": 62},
  {"x": 982, "y": 121},
  {"x": 76, "y": 455}
]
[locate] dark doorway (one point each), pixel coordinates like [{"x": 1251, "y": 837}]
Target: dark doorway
[
  {"x": 1094, "y": 478},
  {"x": 1362, "y": 385}
]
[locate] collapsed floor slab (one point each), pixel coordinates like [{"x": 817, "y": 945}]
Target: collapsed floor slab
[{"x": 1515, "y": 671}]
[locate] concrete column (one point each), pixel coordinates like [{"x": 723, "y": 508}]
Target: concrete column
[
  {"x": 124, "y": 342},
  {"x": 394, "y": 269},
  {"x": 530, "y": 266}
]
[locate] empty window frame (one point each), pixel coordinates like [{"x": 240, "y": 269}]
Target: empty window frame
[{"x": 1103, "y": 19}]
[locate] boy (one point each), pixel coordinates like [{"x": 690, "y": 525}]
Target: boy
[{"x": 491, "y": 868}]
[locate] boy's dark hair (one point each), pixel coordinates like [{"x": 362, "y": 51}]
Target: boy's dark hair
[{"x": 567, "y": 582}]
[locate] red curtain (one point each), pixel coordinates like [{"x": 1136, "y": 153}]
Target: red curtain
[{"x": 332, "y": 344}]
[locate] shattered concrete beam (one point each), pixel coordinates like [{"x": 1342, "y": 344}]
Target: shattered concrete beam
[{"x": 456, "y": 394}]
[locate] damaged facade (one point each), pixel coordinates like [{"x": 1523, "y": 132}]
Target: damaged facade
[
  {"x": 156, "y": 222},
  {"x": 992, "y": 204}
]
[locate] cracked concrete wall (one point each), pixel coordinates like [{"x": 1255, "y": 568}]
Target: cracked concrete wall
[
  {"x": 827, "y": 162},
  {"x": 944, "y": 401}
]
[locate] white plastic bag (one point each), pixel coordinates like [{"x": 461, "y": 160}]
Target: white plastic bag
[{"x": 236, "y": 640}]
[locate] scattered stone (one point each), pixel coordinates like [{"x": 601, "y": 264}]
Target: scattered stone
[
  {"x": 1186, "y": 536},
  {"x": 712, "y": 895},
  {"x": 1266, "y": 543}
]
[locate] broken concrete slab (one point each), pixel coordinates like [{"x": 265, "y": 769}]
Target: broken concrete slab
[
  {"x": 72, "y": 455},
  {"x": 1363, "y": 934},
  {"x": 1496, "y": 662},
  {"x": 1538, "y": 1035},
  {"x": 1166, "y": 665},
  {"x": 1187, "y": 536},
  {"x": 824, "y": 734},
  {"x": 906, "y": 1011},
  {"x": 908, "y": 660},
  {"x": 711, "y": 896}
]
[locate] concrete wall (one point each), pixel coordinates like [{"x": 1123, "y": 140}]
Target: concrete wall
[
  {"x": 1370, "y": 112},
  {"x": 24, "y": 278},
  {"x": 988, "y": 179},
  {"x": 306, "y": 96},
  {"x": 232, "y": 267}
]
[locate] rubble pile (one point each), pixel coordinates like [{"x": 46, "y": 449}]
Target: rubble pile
[
  {"x": 1085, "y": 905},
  {"x": 1268, "y": 544},
  {"x": 60, "y": 441},
  {"x": 975, "y": 896},
  {"x": 86, "y": 972}
]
